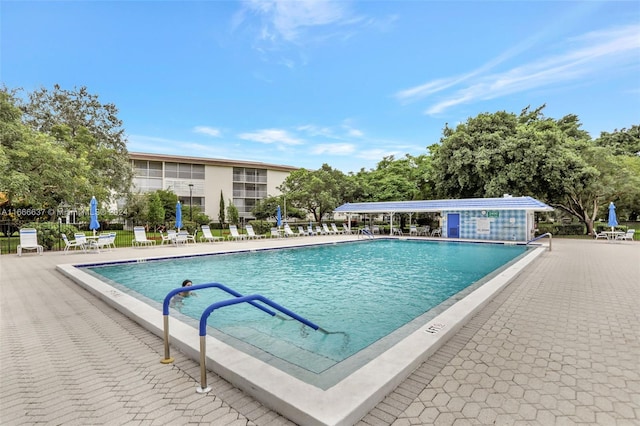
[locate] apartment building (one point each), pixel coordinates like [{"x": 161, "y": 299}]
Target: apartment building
[{"x": 199, "y": 181}]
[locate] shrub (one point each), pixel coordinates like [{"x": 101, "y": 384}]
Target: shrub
[{"x": 261, "y": 226}]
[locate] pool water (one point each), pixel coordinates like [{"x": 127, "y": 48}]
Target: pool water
[{"x": 361, "y": 292}]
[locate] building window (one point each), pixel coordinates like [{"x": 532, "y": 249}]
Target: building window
[
  {"x": 183, "y": 171},
  {"x": 249, "y": 187}
]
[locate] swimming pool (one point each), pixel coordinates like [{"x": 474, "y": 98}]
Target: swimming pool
[
  {"x": 350, "y": 397},
  {"x": 361, "y": 292}
]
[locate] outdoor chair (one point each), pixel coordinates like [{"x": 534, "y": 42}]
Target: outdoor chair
[
  {"x": 275, "y": 233},
  {"x": 346, "y": 229},
  {"x": 71, "y": 244},
  {"x": 29, "y": 241},
  {"x": 627, "y": 235},
  {"x": 326, "y": 229},
  {"x": 602, "y": 235},
  {"x": 235, "y": 235},
  {"x": 103, "y": 241},
  {"x": 170, "y": 238},
  {"x": 302, "y": 232},
  {"x": 251, "y": 234},
  {"x": 207, "y": 236},
  {"x": 140, "y": 237},
  {"x": 288, "y": 232},
  {"x": 413, "y": 230},
  {"x": 335, "y": 229},
  {"x": 436, "y": 232}
]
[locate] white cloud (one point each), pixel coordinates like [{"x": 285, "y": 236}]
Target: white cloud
[
  {"x": 286, "y": 19},
  {"x": 271, "y": 136},
  {"x": 208, "y": 131},
  {"x": 376, "y": 154},
  {"x": 592, "y": 54},
  {"x": 334, "y": 149}
]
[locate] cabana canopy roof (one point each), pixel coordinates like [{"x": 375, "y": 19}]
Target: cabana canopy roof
[{"x": 504, "y": 203}]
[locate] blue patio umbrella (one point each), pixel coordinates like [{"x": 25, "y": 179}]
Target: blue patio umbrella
[
  {"x": 178, "y": 215},
  {"x": 278, "y": 217},
  {"x": 613, "y": 220},
  {"x": 93, "y": 213}
]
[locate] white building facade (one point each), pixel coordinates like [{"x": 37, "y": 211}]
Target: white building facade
[{"x": 200, "y": 181}]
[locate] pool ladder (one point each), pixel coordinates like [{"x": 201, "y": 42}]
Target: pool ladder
[
  {"x": 548, "y": 234},
  {"x": 239, "y": 298}
]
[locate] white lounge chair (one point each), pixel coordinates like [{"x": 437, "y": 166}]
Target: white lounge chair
[
  {"x": 436, "y": 232},
  {"x": 346, "y": 230},
  {"x": 602, "y": 235},
  {"x": 140, "y": 237},
  {"x": 207, "y": 236},
  {"x": 235, "y": 235},
  {"x": 71, "y": 244},
  {"x": 335, "y": 229},
  {"x": 319, "y": 231},
  {"x": 413, "y": 230},
  {"x": 29, "y": 241},
  {"x": 326, "y": 229},
  {"x": 302, "y": 232},
  {"x": 251, "y": 234},
  {"x": 288, "y": 232},
  {"x": 310, "y": 230},
  {"x": 275, "y": 233},
  {"x": 627, "y": 235}
]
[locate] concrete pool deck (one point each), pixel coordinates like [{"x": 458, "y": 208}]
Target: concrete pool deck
[{"x": 560, "y": 344}]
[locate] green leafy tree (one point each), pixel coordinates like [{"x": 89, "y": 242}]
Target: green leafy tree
[
  {"x": 137, "y": 208},
  {"x": 316, "y": 191},
  {"x": 232, "y": 214},
  {"x": 87, "y": 129},
  {"x": 529, "y": 154},
  {"x": 398, "y": 179},
  {"x": 221, "y": 211},
  {"x": 155, "y": 214},
  {"x": 35, "y": 170},
  {"x": 169, "y": 200}
]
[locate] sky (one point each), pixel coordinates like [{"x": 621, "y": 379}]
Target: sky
[{"x": 345, "y": 83}]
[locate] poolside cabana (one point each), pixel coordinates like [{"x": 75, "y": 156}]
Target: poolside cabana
[{"x": 506, "y": 219}]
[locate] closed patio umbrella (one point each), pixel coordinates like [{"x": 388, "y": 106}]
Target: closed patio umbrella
[
  {"x": 278, "y": 217},
  {"x": 93, "y": 213},
  {"x": 178, "y": 215},
  {"x": 613, "y": 220}
]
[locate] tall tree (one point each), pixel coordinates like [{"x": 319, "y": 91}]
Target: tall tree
[
  {"x": 529, "y": 154},
  {"x": 87, "y": 129},
  {"x": 35, "y": 170},
  {"x": 232, "y": 214},
  {"x": 221, "y": 212},
  {"x": 155, "y": 215},
  {"x": 316, "y": 191}
]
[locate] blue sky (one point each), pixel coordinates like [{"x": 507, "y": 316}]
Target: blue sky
[{"x": 309, "y": 82}]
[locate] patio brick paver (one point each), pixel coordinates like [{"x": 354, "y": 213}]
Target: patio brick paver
[{"x": 560, "y": 345}]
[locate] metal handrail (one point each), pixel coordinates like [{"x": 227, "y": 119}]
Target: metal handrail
[
  {"x": 165, "y": 310},
  {"x": 249, "y": 299},
  {"x": 547, "y": 234}
]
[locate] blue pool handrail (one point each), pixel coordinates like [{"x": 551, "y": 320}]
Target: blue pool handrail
[
  {"x": 167, "y": 300},
  {"x": 169, "y": 296},
  {"x": 249, "y": 299},
  {"x": 547, "y": 234}
]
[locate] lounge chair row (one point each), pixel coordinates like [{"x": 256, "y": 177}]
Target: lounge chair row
[{"x": 309, "y": 231}]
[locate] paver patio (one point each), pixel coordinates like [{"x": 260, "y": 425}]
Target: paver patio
[{"x": 560, "y": 345}]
